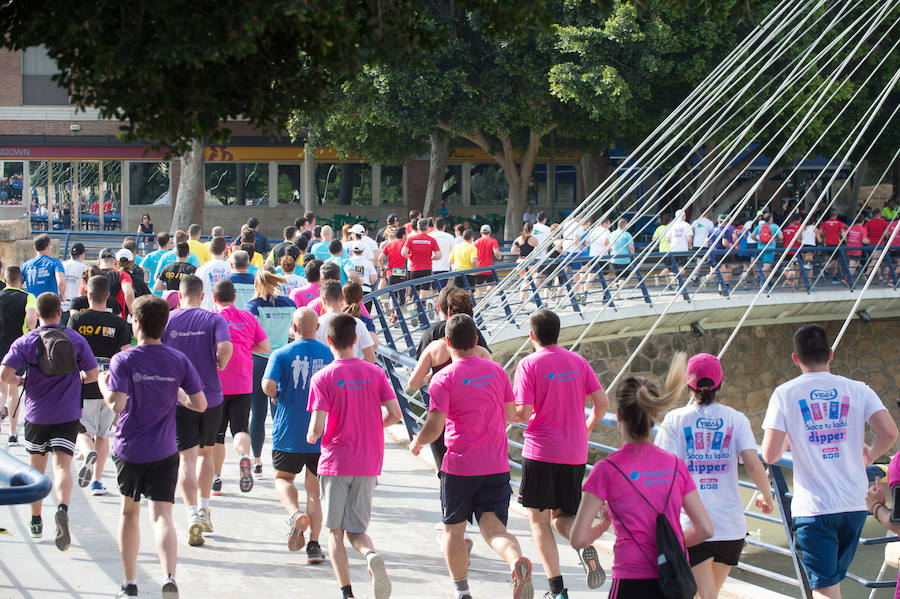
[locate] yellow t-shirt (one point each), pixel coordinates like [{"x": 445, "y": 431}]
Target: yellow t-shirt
[
  {"x": 200, "y": 250},
  {"x": 464, "y": 256},
  {"x": 660, "y": 233}
]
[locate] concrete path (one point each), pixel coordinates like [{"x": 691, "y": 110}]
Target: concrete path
[{"x": 248, "y": 557}]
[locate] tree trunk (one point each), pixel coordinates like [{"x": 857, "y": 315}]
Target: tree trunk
[
  {"x": 437, "y": 166},
  {"x": 895, "y": 177},
  {"x": 189, "y": 201},
  {"x": 519, "y": 176},
  {"x": 594, "y": 171},
  {"x": 345, "y": 190},
  {"x": 845, "y": 203},
  {"x": 240, "y": 195}
]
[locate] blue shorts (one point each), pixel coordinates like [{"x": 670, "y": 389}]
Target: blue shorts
[
  {"x": 826, "y": 545},
  {"x": 465, "y": 496}
]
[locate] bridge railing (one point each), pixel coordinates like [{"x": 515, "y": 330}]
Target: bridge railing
[{"x": 19, "y": 482}]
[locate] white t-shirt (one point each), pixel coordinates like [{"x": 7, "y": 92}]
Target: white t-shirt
[
  {"x": 294, "y": 281},
  {"x": 824, "y": 416},
  {"x": 702, "y": 226},
  {"x": 211, "y": 273},
  {"x": 363, "y": 338},
  {"x": 446, "y": 242},
  {"x": 370, "y": 247},
  {"x": 710, "y": 440},
  {"x": 807, "y": 236},
  {"x": 365, "y": 269},
  {"x": 599, "y": 242},
  {"x": 541, "y": 231},
  {"x": 678, "y": 235},
  {"x": 73, "y": 271}
]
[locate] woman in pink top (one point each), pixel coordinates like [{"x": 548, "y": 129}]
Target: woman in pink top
[
  {"x": 304, "y": 295},
  {"x": 639, "y": 465}
]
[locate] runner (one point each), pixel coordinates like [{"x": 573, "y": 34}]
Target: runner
[
  {"x": 241, "y": 277},
  {"x": 357, "y": 402},
  {"x": 421, "y": 249},
  {"x": 465, "y": 257},
  {"x": 679, "y": 237},
  {"x": 488, "y": 251},
  {"x": 151, "y": 260},
  {"x": 107, "y": 335},
  {"x": 445, "y": 243},
  {"x": 18, "y": 315},
  {"x": 52, "y": 402},
  {"x": 170, "y": 275},
  {"x": 73, "y": 269},
  {"x": 169, "y": 257},
  {"x": 475, "y": 400},
  {"x": 204, "y": 338},
  {"x": 656, "y": 480},
  {"x": 120, "y": 285},
  {"x": 550, "y": 388},
  {"x": 303, "y": 295},
  {"x": 198, "y": 248},
  {"x": 333, "y": 304},
  {"x": 274, "y": 315},
  {"x": 695, "y": 434},
  {"x": 214, "y": 270},
  {"x": 830, "y": 482},
  {"x": 247, "y": 337},
  {"x": 43, "y": 272},
  {"x": 287, "y": 381},
  {"x": 143, "y": 387}
]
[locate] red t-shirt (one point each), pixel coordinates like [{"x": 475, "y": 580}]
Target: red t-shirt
[
  {"x": 876, "y": 228},
  {"x": 832, "y": 229},
  {"x": 421, "y": 246},
  {"x": 486, "y": 247},
  {"x": 789, "y": 234},
  {"x": 855, "y": 236},
  {"x": 395, "y": 259},
  {"x": 890, "y": 231}
]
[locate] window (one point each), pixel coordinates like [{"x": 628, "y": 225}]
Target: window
[
  {"x": 38, "y": 87},
  {"x": 289, "y": 184},
  {"x": 238, "y": 183},
  {"x": 452, "y": 191},
  {"x": 148, "y": 184},
  {"x": 489, "y": 185},
  {"x": 343, "y": 183},
  {"x": 392, "y": 185},
  {"x": 11, "y": 182}
]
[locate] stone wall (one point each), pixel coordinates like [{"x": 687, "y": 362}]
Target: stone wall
[
  {"x": 758, "y": 360},
  {"x": 16, "y": 245}
]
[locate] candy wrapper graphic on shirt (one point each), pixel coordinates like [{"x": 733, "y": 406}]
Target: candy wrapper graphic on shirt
[{"x": 825, "y": 418}]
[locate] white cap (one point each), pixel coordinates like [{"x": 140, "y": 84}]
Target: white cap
[
  {"x": 679, "y": 214},
  {"x": 485, "y": 228},
  {"x": 356, "y": 247},
  {"x": 358, "y": 229},
  {"x": 124, "y": 253}
]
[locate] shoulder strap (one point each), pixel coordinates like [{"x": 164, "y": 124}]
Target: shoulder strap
[
  {"x": 638, "y": 545},
  {"x": 628, "y": 480}
]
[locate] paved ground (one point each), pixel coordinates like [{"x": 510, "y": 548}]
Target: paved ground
[{"x": 248, "y": 556}]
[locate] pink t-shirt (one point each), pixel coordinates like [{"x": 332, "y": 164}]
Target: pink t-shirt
[
  {"x": 351, "y": 392},
  {"x": 316, "y": 306},
  {"x": 855, "y": 236},
  {"x": 894, "y": 479},
  {"x": 650, "y": 470},
  {"x": 303, "y": 295},
  {"x": 555, "y": 381},
  {"x": 246, "y": 332},
  {"x": 472, "y": 393}
]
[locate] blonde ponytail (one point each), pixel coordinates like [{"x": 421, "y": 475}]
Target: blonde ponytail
[{"x": 641, "y": 404}]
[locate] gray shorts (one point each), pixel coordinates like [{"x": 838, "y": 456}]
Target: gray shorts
[
  {"x": 347, "y": 501},
  {"x": 97, "y": 418}
]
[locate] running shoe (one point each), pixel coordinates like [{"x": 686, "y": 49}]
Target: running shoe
[
  {"x": 203, "y": 513},
  {"x": 63, "y": 539},
  {"x": 3, "y": 414},
  {"x": 314, "y": 553},
  {"x": 13, "y": 441},
  {"x": 590, "y": 561},
  {"x": 381, "y": 584},
  {"x": 86, "y": 472},
  {"x": 170, "y": 590},
  {"x": 37, "y": 530},
  {"x": 299, "y": 523},
  {"x": 217, "y": 485},
  {"x": 246, "y": 482},
  {"x": 97, "y": 488},
  {"x": 257, "y": 470},
  {"x": 563, "y": 595},
  {"x": 521, "y": 579},
  {"x": 127, "y": 591},
  {"x": 195, "y": 532}
]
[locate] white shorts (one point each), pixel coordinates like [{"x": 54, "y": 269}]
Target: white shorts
[
  {"x": 347, "y": 501},
  {"x": 97, "y": 418}
]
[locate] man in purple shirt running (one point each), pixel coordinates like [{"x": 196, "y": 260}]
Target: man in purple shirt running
[
  {"x": 52, "y": 407},
  {"x": 205, "y": 339}
]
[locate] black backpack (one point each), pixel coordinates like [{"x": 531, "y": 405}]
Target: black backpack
[
  {"x": 56, "y": 354},
  {"x": 137, "y": 281},
  {"x": 115, "y": 282},
  {"x": 676, "y": 581}
]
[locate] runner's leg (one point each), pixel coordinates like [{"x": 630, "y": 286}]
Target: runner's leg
[
  {"x": 706, "y": 584},
  {"x": 130, "y": 535},
  {"x": 337, "y": 553},
  {"x": 500, "y": 540},
  {"x": 313, "y": 505},
  {"x": 455, "y": 553},
  {"x": 287, "y": 492},
  {"x": 542, "y": 531},
  {"x": 39, "y": 463},
  {"x": 164, "y": 533},
  {"x": 187, "y": 477}
]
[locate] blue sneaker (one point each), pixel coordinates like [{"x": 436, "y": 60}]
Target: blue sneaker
[{"x": 97, "y": 488}]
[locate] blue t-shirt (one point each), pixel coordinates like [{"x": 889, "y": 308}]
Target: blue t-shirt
[
  {"x": 292, "y": 367},
  {"x": 243, "y": 287},
  {"x": 274, "y": 316},
  {"x": 150, "y": 263},
  {"x": 342, "y": 262},
  {"x": 169, "y": 257},
  {"x": 620, "y": 240},
  {"x": 766, "y": 248},
  {"x": 718, "y": 233},
  {"x": 40, "y": 275},
  {"x": 320, "y": 251}
]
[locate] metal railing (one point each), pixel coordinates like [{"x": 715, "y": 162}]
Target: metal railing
[{"x": 19, "y": 482}]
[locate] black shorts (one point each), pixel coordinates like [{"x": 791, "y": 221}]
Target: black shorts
[
  {"x": 197, "y": 428},
  {"x": 401, "y": 294},
  {"x": 438, "y": 284},
  {"x": 627, "y": 588},
  {"x": 461, "y": 281},
  {"x": 41, "y": 438},
  {"x": 722, "y": 552},
  {"x": 420, "y": 274},
  {"x": 293, "y": 463},
  {"x": 465, "y": 496},
  {"x": 236, "y": 412},
  {"x": 154, "y": 480},
  {"x": 482, "y": 279},
  {"x": 547, "y": 486}
]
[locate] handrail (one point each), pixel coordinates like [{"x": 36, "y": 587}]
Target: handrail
[{"x": 19, "y": 482}]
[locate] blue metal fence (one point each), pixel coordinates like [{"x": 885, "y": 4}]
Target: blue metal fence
[{"x": 19, "y": 482}]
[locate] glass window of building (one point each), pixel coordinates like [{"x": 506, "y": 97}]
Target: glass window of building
[
  {"x": 489, "y": 185},
  {"x": 62, "y": 192},
  {"x": 148, "y": 184},
  {"x": 343, "y": 183},
  {"x": 237, "y": 183},
  {"x": 289, "y": 184},
  {"x": 452, "y": 191},
  {"x": 38, "y": 87},
  {"x": 566, "y": 184},
  {"x": 11, "y": 183},
  {"x": 392, "y": 185}
]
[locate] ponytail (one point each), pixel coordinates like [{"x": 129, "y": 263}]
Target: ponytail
[
  {"x": 641, "y": 404},
  {"x": 352, "y": 297}
]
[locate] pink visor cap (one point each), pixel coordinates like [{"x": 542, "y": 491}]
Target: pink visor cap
[{"x": 704, "y": 366}]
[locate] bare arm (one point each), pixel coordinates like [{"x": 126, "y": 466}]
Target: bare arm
[
  {"x": 369, "y": 354},
  {"x": 436, "y": 255},
  {"x": 269, "y": 387},
  {"x": 128, "y": 290},
  {"x": 417, "y": 379},
  {"x": 61, "y": 284},
  {"x": 89, "y": 376},
  {"x": 701, "y": 527},
  {"x": 404, "y": 251},
  {"x": 600, "y": 404},
  {"x": 885, "y": 435},
  {"x": 263, "y": 347},
  {"x": 316, "y": 426},
  {"x": 875, "y": 504},
  {"x": 523, "y": 412},
  {"x": 159, "y": 285},
  {"x": 224, "y": 349},
  {"x": 430, "y": 431},
  {"x": 584, "y": 532},
  {"x": 773, "y": 445},
  {"x": 8, "y": 375},
  {"x": 758, "y": 475},
  {"x": 195, "y": 402},
  {"x": 31, "y": 318},
  {"x": 391, "y": 413},
  {"x": 115, "y": 400},
  {"x": 510, "y": 408}
]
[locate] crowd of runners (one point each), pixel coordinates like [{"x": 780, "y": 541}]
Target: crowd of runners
[{"x": 151, "y": 360}]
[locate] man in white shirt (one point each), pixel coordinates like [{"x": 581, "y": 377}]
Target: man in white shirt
[
  {"x": 823, "y": 418},
  {"x": 541, "y": 230},
  {"x": 363, "y": 271},
  {"x": 370, "y": 247},
  {"x": 72, "y": 270},
  {"x": 213, "y": 271},
  {"x": 679, "y": 237},
  {"x": 701, "y": 228},
  {"x": 446, "y": 242}
]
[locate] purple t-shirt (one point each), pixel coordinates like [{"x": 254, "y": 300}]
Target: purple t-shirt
[
  {"x": 50, "y": 399},
  {"x": 150, "y": 376},
  {"x": 196, "y": 332}
]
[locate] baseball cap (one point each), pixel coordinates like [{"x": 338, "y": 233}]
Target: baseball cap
[
  {"x": 485, "y": 228},
  {"x": 358, "y": 229},
  {"x": 77, "y": 249},
  {"x": 125, "y": 253},
  {"x": 172, "y": 298},
  {"x": 704, "y": 366},
  {"x": 356, "y": 247},
  {"x": 107, "y": 253}
]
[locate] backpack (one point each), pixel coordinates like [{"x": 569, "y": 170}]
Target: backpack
[
  {"x": 137, "y": 281},
  {"x": 115, "y": 282},
  {"x": 56, "y": 354},
  {"x": 675, "y": 578},
  {"x": 765, "y": 234}
]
